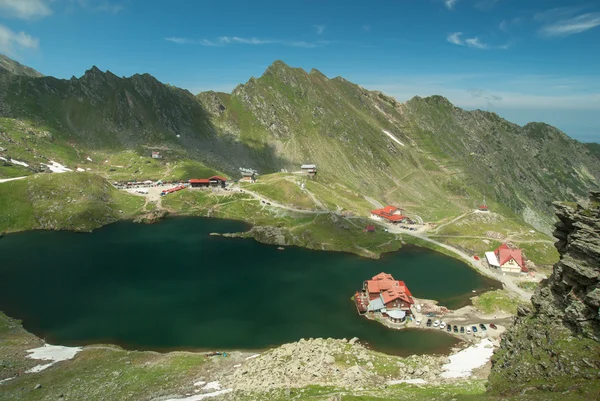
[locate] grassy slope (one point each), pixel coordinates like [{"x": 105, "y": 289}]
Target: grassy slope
[
  {"x": 323, "y": 232},
  {"x": 497, "y": 301},
  {"x": 71, "y": 201}
]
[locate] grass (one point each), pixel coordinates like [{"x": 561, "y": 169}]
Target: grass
[
  {"x": 67, "y": 201},
  {"x": 279, "y": 188},
  {"x": 497, "y": 301},
  {"x": 528, "y": 285}
]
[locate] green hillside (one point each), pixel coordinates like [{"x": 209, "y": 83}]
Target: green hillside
[{"x": 68, "y": 201}]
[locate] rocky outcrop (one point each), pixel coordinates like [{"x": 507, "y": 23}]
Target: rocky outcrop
[
  {"x": 152, "y": 217},
  {"x": 329, "y": 362},
  {"x": 556, "y": 346}
]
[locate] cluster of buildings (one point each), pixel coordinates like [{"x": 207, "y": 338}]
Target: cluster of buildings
[
  {"x": 390, "y": 214},
  {"x": 507, "y": 260},
  {"x": 385, "y": 295}
]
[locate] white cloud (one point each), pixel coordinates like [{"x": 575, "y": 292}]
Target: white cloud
[
  {"x": 455, "y": 38},
  {"x": 450, "y": 4},
  {"x": 24, "y": 9},
  {"x": 570, "y": 26},
  {"x": 320, "y": 29},
  {"x": 180, "y": 41},
  {"x": 11, "y": 42},
  {"x": 475, "y": 42},
  {"x": 230, "y": 40},
  {"x": 100, "y": 5}
]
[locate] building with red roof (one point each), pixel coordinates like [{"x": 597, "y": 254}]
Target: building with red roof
[
  {"x": 386, "y": 295},
  {"x": 507, "y": 259},
  {"x": 199, "y": 182},
  {"x": 390, "y": 214},
  {"x": 214, "y": 181}
]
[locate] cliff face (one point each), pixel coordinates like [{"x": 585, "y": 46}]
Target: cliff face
[{"x": 556, "y": 346}]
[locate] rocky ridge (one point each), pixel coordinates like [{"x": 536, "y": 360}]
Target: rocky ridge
[
  {"x": 556, "y": 346},
  {"x": 329, "y": 362}
]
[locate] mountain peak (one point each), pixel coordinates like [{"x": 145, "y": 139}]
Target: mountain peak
[{"x": 17, "y": 68}]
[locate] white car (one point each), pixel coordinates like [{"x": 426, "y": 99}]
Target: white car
[
  {"x": 436, "y": 323},
  {"x": 442, "y": 325},
  {"x": 468, "y": 330},
  {"x": 418, "y": 322}
]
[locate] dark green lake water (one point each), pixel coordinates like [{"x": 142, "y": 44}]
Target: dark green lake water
[{"x": 172, "y": 286}]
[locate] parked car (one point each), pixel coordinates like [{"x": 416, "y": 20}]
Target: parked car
[
  {"x": 474, "y": 328},
  {"x": 462, "y": 330},
  {"x": 449, "y": 328},
  {"x": 428, "y": 322},
  {"x": 418, "y": 322},
  {"x": 455, "y": 328},
  {"x": 468, "y": 330},
  {"x": 493, "y": 326},
  {"x": 482, "y": 327},
  {"x": 436, "y": 323},
  {"x": 442, "y": 325}
]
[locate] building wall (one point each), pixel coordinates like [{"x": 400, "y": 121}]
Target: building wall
[{"x": 511, "y": 267}]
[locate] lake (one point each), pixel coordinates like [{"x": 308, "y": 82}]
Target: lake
[{"x": 173, "y": 286}]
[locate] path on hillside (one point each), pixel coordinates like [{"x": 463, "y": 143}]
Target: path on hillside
[
  {"x": 312, "y": 196},
  {"x": 453, "y": 220},
  {"x": 276, "y": 204},
  {"x": 525, "y": 241},
  {"x": 508, "y": 281},
  {"x": 373, "y": 202}
]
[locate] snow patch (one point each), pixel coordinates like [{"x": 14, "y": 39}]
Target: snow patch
[
  {"x": 7, "y": 379},
  {"x": 212, "y": 386},
  {"x": 200, "y": 383},
  {"x": 462, "y": 363},
  {"x": 393, "y": 137},
  {"x": 237, "y": 366},
  {"x": 2, "y": 158},
  {"x": 253, "y": 356},
  {"x": 200, "y": 397},
  {"x": 80, "y": 169},
  {"x": 88, "y": 159},
  {"x": 13, "y": 161},
  {"x": 57, "y": 167},
  {"x": 409, "y": 381},
  {"x": 10, "y": 179},
  {"x": 54, "y": 353}
]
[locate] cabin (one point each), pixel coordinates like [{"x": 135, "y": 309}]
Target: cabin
[
  {"x": 507, "y": 260},
  {"x": 248, "y": 174},
  {"x": 156, "y": 155},
  {"x": 370, "y": 229},
  {"x": 199, "y": 183},
  {"x": 386, "y": 295},
  {"x": 390, "y": 214},
  {"x": 310, "y": 169},
  {"x": 218, "y": 181},
  {"x": 483, "y": 208}
]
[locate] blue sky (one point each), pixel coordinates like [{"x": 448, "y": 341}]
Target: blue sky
[{"x": 527, "y": 60}]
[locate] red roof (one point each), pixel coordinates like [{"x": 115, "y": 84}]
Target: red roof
[
  {"x": 384, "y": 283},
  {"x": 393, "y": 294},
  {"x": 370, "y": 228},
  {"x": 505, "y": 254},
  {"x": 200, "y": 181},
  {"x": 218, "y": 177},
  {"x": 390, "y": 217}
]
